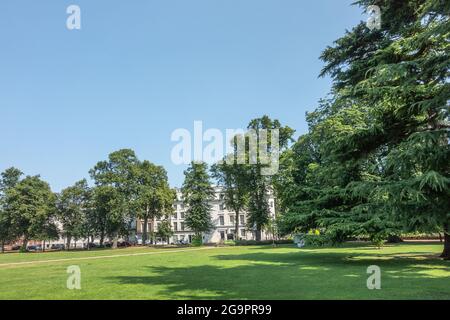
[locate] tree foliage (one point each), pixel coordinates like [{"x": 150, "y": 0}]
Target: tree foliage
[
  {"x": 232, "y": 177},
  {"x": 30, "y": 205},
  {"x": 116, "y": 179},
  {"x": 198, "y": 193},
  {"x": 9, "y": 179},
  {"x": 259, "y": 183},
  {"x": 154, "y": 197},
  {"x": 164, "y": 230},
  {"x": 378, "y": 147},
  {"x": 74, "y": 208}
]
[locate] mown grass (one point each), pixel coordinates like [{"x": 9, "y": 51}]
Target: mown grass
[{"x": 409, "y": 271}]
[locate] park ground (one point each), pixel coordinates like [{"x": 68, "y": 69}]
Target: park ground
[{"x": 408, "y": 271}]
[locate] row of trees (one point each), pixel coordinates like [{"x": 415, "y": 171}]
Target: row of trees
[
  {"x": 125, "y": 189},
  {"x": 245, "y": 187},
  {"x": 375, "y": 161}
]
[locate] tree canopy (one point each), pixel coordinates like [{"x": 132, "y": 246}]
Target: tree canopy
[
  {"x": 376, "y": 158},
  {"x": 154, "y": 197},
  {"x": 197, "y": 195}
]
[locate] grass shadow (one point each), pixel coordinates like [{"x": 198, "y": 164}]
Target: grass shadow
[{"x": 298, "y": 275}]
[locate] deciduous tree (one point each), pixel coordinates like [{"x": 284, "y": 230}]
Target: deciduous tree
[
  {"x": 31, "y": 206},
  {"x": 259, "y": 183},
  {"x": 232, "y": 177},
  {"x": 9, "y": 178},
  {"x": 73, "y": 206},
  {"x": 118, "y": 172},
  {"x": 154, "y": 197}
]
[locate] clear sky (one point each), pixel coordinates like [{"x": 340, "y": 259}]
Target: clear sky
[{"x": 137, "y": 70}]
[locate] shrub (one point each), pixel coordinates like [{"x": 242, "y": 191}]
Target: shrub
[
  {"x": 378, "y": 240},
  {"x": 197, "y": 241},
  {"x": 316, "y": 240}
]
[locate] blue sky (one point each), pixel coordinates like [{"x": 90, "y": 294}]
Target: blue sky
[{"x": 138, "y": 70}]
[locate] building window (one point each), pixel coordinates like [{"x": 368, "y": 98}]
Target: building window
[
  {"x": 182, "y": 226},
  {"x": 221, "y": 221},
  {"x": 242, "y": 218},
  {"x": 242, "y": 232},
  {"x": 175, "y": 226},
  {"x": 175, "y": 215},
  {"x": 232, "y": 219},
  {"x": 181, "y": 215},
  {"x": 222, "y": 207}
]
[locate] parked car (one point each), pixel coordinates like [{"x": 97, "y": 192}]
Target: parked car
[
  {"x": 139, "y": 242},
  {"x": 92, "y": 245},
  {"x": 123, "y": 244},
  {"x": 57, "y": 246},
  {"x": 15, "y": 248},
  {"x": 32, "y": 248}
]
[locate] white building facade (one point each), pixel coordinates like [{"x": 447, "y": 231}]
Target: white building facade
[{"x": 222, "y": 217}]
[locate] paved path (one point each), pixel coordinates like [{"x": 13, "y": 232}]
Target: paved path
[{"x": 100, "y": 257}]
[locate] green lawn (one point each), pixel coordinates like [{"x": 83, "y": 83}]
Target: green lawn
[{"x": 409, "y": 271}]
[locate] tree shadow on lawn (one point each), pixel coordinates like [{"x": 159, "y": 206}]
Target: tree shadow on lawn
[{"x": 296, "y": 275}]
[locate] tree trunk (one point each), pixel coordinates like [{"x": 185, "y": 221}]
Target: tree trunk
[
  {"x": 24, "y": 244},
  {"x": 102, "y": 239},
  {"x": 145, "y": 231},
  {"x": 446, "y": 253},
  {"x": 43, "y": 246},
  {"x": 153, "y": 230},
  {"x": 3, "y": 246},
  {"x": 69, "y": 239},
  {"x": 115, "y": 240},
  {"x": 258, "y": 233},
  {"x": 236, "y": 228}
]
